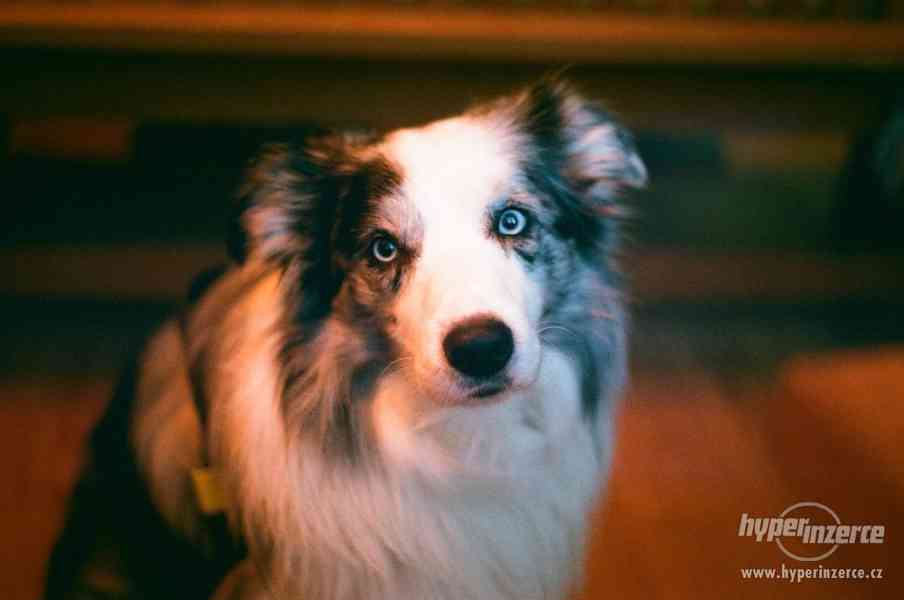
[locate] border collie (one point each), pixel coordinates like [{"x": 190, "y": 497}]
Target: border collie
[{"x": 405, "y": 382}]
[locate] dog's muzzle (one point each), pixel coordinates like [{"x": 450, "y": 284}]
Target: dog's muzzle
[{"x": 479, "y": 347}]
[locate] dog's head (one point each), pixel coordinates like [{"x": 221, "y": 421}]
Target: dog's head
[{"x": 451, "y": 252}]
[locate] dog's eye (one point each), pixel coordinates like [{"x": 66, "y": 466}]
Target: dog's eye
[
  {"x": 384, "y": 249},
  {"x": 511, "y": 222}
]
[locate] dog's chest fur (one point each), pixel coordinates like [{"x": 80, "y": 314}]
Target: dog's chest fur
[{"x": 485, "y": 502}]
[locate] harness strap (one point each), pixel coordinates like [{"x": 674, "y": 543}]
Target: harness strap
[{"x": 225, "y": 548}]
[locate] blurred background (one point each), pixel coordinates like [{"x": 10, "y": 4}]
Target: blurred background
[{"x": 765, "y": 259}]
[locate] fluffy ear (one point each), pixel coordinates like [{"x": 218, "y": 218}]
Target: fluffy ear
[
  {"x": 262, "y": 225},
  {"x": 582, "y": 142},
  {"x": 300, "y": 208},
  {"x": 285, "y": 216}
]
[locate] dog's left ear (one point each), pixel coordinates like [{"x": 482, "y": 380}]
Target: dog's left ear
[{"x": 581, "y": 142}]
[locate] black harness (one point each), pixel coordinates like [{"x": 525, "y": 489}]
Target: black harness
[{"x": 224, "y": 548}]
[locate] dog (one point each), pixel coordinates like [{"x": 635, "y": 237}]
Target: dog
[{"x": 403, "y": 384}]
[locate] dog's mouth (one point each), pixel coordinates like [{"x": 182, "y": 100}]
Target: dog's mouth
[
  {"x": 496, "y": 388},
  {"x": 488, "y": 390}
]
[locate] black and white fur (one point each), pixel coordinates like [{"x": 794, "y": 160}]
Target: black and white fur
[{"x": 360, "y": 463}]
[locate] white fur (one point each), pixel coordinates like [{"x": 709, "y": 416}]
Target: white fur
[{"x": 453, "y": 170}]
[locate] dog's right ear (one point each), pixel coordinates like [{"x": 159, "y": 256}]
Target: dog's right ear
[
  {"x": 269, "y": 206},
  {"x": 286, "y": 213}
]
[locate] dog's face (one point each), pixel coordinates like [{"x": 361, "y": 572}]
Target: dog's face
[
  {"x": 445, "y": 251},
  {"x": 461, "y": 286}
]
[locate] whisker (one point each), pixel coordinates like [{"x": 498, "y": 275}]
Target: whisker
[
  {"x": 556, "y": 327},
  {"x": 399, "y": 361}
]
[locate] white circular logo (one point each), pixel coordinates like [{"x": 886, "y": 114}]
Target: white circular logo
[{"x": 827, "y": 553}]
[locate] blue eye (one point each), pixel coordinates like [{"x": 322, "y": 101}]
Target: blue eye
[
  {"x": 511, "y": 222},
  {"x": 384, "y": 249}
]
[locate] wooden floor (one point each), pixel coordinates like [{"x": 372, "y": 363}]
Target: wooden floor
[
  {"x": 694, "y": 455},
  {"x": 695, "y": 451}
]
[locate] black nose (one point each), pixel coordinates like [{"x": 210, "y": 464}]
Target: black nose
[{"x": 479, "y": 347}]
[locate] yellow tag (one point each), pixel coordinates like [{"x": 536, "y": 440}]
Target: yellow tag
[{"x": 209, "y": 490}]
